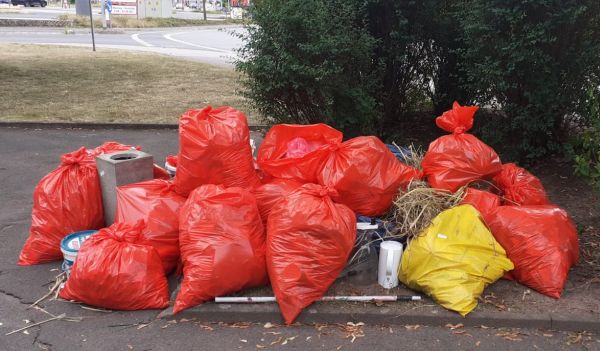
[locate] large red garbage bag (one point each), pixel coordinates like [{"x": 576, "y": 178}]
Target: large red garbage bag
[
  {"x": 291, "y": 151},
  {"x": 268, "y": 194},
  {"x": 542, "y": 243},
  {"x": 309, "y": 239},
  {"x": 366, "y": 174},
  {"x": 456, "y": 160},
  {"x": 66, "y": 200},
  {"x": 156, "y": 202},
  {"x": 214, "y": 148},
  {"x": 520, "y": 187},
  {"x": 484, "y": 201},
  {"x": 222, "y": 242},
  {"x": 115, "y": 269}
]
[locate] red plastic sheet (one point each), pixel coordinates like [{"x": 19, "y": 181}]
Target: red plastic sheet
[
  {"x": 157, "y": 203},
  {"x": 115, "y": 270},
  {"x": 456, "y": 160},
  {"x": 222, "y": 244},
  {"x": 309, "y": 239},
  {"x": 484, "y": 201},
  {"x": 267, "y": 195},
  {"x": 291, "y": 151},
  {"x": 66, "y": 200},
  {"x": 214, "y": 148},
  {"x": 520, "y": 187},
  {"x": 366, "y": 175},
  {"x": 542, "y": 243}
]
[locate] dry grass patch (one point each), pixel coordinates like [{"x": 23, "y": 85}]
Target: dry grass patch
[
  {"x": 129, "y": 22},
  {"x": 63, "y": 84}
]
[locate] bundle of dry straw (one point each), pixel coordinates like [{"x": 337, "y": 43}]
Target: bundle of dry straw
[{"x": 413, "y": 210}]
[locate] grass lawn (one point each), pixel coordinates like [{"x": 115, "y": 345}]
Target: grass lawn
[
  {"x": 129, "y": 22},
  {"x": 63, "y": 84}
]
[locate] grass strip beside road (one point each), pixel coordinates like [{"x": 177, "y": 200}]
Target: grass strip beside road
[
  {"x": 64, "y": 84},
  {"x": 130, "y": 22}
]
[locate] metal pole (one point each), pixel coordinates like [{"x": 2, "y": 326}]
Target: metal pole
[
  {"x": 92, "y": 26},
  {"x": 267, "y": 299}
]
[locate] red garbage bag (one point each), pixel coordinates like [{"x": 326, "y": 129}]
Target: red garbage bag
[
  {"x": 268, "y": 194},
  {"x": 309, "y": 239},
  {"x": 291, "y": 151},
  {"x": 160, "y": 173},
  {"x": 214, "y": 148},
  {"x": 222, "y": 241},
  {"x": 115, "y": 269},
  {"x": 484, "y": 201},
  {"x": 66, "y": 200},
  {"x": 366, "y": 174},
  {"x": 456, "y": 160},
  {"x": 110, "y": 147},
  {"x": 520, "y": 187},
  {"x": 542, "y": 243},
  {"x": 156, "y": 202}
]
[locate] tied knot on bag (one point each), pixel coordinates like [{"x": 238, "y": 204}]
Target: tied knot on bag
[
  {"x": 459, "y": 130},
  {"x": 328, "y": 191},
  {"x": 126, "y": 232},
  {"x": 169, "y": 188},
  {"x": 76, "y": 157}
]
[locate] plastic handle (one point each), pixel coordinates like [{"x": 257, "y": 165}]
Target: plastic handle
[{"x": 390, "y": 263}]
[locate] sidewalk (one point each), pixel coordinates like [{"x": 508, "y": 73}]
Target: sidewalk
[{"x": 28, "y": 154}]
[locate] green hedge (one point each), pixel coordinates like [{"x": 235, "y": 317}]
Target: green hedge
[{"x": 367, "y": 66}]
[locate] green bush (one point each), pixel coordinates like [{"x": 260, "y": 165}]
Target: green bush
[
  {"x": 310, "y": 61},
  {"x": 585, "y": 145},
  {"x": 367, "y": 66},
  {"x": 351, "y": 64},
  {"x": 534, "y": 61}
]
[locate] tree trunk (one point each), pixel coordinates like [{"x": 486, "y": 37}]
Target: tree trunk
[{"x": 204, "y": 8}]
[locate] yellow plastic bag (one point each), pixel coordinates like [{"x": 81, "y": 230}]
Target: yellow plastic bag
[{"x": 454, "y": 259}]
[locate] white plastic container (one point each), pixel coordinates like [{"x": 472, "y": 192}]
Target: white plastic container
[{"x": 390, "y": 253}]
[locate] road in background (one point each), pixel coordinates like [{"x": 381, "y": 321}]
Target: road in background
[
  {"x": 214, "y": 44},
  {"x": 12, "y": 12}
]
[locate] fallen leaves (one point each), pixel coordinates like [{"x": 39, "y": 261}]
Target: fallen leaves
[
  {"x": 510, "y": 335},
  {"x": 410, "y": 327},
  {"x": 491, "y": 299},
  {"x": 291, "y": 338},
  {"x": 454, "y": 326},
  {"x": 352, "y": 330},
  {"x": 205, "y": 327}
]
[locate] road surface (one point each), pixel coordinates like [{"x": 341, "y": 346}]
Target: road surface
[{"x": 213, "y": 45}]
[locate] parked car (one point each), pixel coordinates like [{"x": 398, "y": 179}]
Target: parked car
[{"x": 27, "y": 3}]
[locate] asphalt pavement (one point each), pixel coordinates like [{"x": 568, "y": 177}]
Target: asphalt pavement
[
  {"x": 215, "y": 44},
  {"x": 30, "y": 153}
]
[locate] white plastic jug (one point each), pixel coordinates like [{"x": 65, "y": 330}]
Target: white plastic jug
[{"x": 390, "y": 253}]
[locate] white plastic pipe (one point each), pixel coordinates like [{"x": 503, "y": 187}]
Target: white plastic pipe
[{"x": 267, "y": 299}]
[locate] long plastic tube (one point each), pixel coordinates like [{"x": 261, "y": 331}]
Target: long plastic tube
[{"x": 267, "y": 299}]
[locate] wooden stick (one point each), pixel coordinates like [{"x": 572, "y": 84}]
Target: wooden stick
[{"x": 36, "y": 324}]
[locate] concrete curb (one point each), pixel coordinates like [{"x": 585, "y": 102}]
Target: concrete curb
[
  {"x": 77, "y": 125},
  {"x": 329, "y": 313}
]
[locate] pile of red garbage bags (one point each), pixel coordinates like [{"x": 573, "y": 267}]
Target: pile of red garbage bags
[
  {"x": 539, "y": 237},
  {"x": 227, "y": 221},
  {"x": 230, "y": 222}
]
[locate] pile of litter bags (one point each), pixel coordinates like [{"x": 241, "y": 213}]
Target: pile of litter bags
[{"x": 228, "y": 222}]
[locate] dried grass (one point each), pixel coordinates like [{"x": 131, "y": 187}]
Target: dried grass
[
  {"x": 413, "y": 157},
  {"x": 414, "y": 209}
]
